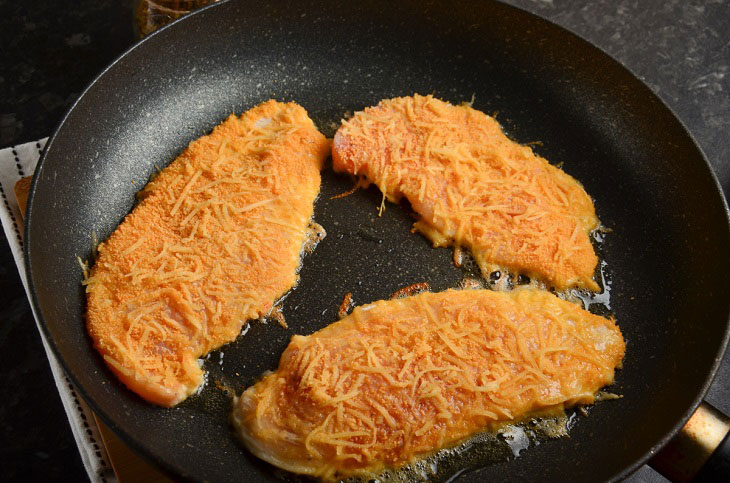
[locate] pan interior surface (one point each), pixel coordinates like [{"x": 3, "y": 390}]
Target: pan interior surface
[{"x": 666, "y": 252}]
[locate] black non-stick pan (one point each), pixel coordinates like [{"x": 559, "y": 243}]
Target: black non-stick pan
[{"x": 666, "y": 257}]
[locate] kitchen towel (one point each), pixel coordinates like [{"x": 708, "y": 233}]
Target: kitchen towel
[{"x": 15, "y": 163}]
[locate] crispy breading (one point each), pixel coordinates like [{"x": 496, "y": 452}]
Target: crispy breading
[
  {"x": 403, "y": 378},
  {"x": 474, "y": 187},
  {"x": 214, "y": 241}
]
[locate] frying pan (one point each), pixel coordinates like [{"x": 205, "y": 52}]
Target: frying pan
[{"x": 666, "y": 256}]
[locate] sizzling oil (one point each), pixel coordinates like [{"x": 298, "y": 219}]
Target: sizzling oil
[{"x": 484, "y": 449}]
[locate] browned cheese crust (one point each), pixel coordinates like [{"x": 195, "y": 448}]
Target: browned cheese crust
[
  {"x": 213, "y": 242},
  {"x": 400, "y": 379},
  {"x": 474, "y": 187}
]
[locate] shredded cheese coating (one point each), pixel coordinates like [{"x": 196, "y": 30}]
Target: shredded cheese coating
[
  {"x": 474, "y": 187},
  {"x": 214, "y": 241},
  {"x": 402, "y": 378}
]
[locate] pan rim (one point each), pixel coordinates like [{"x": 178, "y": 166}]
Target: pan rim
[
  {"x": 176, "y": 471},
  {"x": 166, "y": 467}
]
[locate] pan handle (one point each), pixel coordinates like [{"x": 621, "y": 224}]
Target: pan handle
[{"x": 700, "y": 451}]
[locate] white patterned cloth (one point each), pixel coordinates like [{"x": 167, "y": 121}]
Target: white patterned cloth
[{"x": 15, "y": 163}]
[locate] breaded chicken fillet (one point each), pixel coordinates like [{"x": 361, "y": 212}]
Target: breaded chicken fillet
[
  {"x": 214, "y": 241},
  {"x": 474, "y": 188},
  {"x": 403, "y": 378}
]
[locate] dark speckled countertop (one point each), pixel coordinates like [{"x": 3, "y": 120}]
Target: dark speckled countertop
[{"x": 51, "y": 50}]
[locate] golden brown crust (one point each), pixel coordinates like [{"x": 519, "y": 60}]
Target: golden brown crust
[
  {"x": 214, "y": 241},
  {"x": 402, "y": 378},
  {"x": 474, "y": 187}
]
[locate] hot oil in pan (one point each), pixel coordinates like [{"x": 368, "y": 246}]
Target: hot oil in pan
[
  {"x": 598, "y": 303},
  {"x": 489, "y": 448}
]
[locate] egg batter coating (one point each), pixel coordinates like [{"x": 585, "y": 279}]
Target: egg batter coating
[
  {"x": 214, "y": 241},
  {"x": 403, "y": 378},
  {"x": 473, "y": 187}
]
